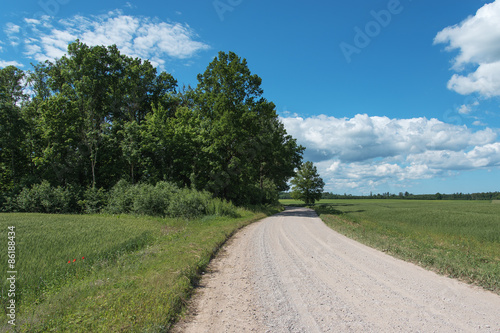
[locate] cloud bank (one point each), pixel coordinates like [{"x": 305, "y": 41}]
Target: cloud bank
[
  {"x": 363, "y": 152},
  {"x": 477, "y": 40},
  {"x": 4, "y": 64},
  {"x": 136, "y": 36}
]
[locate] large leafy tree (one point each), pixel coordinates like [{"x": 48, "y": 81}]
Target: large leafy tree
[
  {"x": 307, "y": 185},
  {"x": 280, "y": 155},
  {"x": 12, "y": 128},
  {"x": 171, "y": 144},
  {"x": 91, "y": 105},
  {"x": 95, "y": 116},
  {"x": 243, "y": 143}
]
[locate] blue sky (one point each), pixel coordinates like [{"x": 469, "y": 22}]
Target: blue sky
[{"x": 387, "y": 96}]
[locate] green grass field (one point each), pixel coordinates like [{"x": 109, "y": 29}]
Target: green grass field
[
  {"x": 460, "y": 239},
  {"x": 136, "y": 274},
  {"x": 139, "y": 271}
]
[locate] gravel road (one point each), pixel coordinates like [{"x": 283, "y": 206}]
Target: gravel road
[{"x": 291, "y": 273}]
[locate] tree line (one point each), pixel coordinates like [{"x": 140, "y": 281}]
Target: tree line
[
  {"x": 408, "y": 196},
  {"x": 95, "y": 116}
]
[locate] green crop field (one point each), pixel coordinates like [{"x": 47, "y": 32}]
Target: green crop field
[
  {"x": 97, "y": 273},
  {"x": 459, "y": 239}
]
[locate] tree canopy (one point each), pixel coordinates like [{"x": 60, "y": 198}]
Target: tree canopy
[
  {"x": 307, "y": 185},
  {"x": 246, "y": 154},
  {"x": 96, "y": 116}
]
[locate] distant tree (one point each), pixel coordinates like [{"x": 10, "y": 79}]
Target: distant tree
[{"x": 307, "y": 185}]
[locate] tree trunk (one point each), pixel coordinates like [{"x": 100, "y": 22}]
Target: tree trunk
[
  {"x": 132, "y": 172},
  {"x": 93, "y": 173}
]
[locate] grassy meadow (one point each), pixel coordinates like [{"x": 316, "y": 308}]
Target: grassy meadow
[
  {"x": 98, "y": 273},
  {"x": 460, "y": 239},
  {"x": 109, "y": 273}
]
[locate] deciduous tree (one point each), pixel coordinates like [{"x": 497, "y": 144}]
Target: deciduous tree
[
  {"x": 307, "y": 185},
  {"x": 244, "y": 143},
  {"x": 12, "y": 127}
]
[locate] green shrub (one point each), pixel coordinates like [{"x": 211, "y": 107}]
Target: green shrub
[
  {"x": 46, "y": 199},
  {"x": 141, "y": 199},
  {"x": 8, "y": 203},
  {"x": 94, "y": 200},
  {"x": 121, "y": 198},
  {"x": 220, "y": 207},
  {"x": 165, "y": 199},
  {"x": 188, "y": 204},
  {"x": 153, "y": 200},
  {"x": 191, "y": 204},
  {"x": 27, "y": 201},
  {"x": 162, "y": 199}
]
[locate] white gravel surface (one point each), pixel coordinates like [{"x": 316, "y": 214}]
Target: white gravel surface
[{"x": 291, "y": 273}]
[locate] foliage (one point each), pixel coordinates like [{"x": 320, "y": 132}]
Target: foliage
[
  {"x": 151, "y": 200},
  {"x": 94, "y": 200},
  {"x": 189, "y": 204},
  {"x": 165, "y": 199},
  {"x": 171, "y": 144},
  {"x": 121, "y": 198},
  {"x": 242, "y": 140},
  {"x": 307, "y": 185},
  {"x": 162, "y": 199},
  {"x": 96, "y": 116},
  {"x": 85, "y": 114},
  {"x": 13, "y": 150},
  {"x": 220, "y": 207},
  {"x": 46, "y": 199}
]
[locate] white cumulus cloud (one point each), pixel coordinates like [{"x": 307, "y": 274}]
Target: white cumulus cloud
[
  {"x": 477, "y": 40},
  {"x": 4, "y": 63},
  {"x": 366, "y": 151},
  {"x": 136, "y": 36},
  {"x": 12, "y": 28}
]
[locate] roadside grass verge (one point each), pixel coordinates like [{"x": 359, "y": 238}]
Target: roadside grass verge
[
  {"x": 137, "y": 273},
  {"x": 460, "y": 239}
]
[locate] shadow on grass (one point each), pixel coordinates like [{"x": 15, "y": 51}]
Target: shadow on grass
[
  {"x": 331, "y": 210},
  {"x": 318, "y": 205},
  {"x": 324, "y": 208},
  {"x": 328, "y": 210},
  {"x": 295, "y": 211},
  {"x": 297, "y": 205}
]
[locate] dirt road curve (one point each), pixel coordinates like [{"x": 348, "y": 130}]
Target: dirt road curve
[{"x": 291, "y": 273}]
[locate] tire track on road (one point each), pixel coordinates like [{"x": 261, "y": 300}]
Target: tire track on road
[{"x": 291, "y": 273}]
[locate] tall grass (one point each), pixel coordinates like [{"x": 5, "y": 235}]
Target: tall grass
[
  {"x": 137, "y": 273},
  {"x": 460, "y": 239},
  {"x": 54, "y": 248}
]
